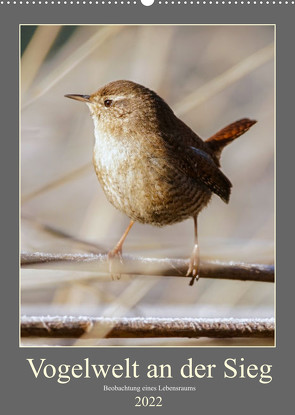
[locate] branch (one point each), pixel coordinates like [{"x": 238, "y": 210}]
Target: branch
[
  {"x": 148, "y": 266},
  {"x": 73, "y": 327}
]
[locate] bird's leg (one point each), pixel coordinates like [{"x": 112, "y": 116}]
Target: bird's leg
[
  {"x": 193, "y": 268},
  {"x": 117, "y": 251}
]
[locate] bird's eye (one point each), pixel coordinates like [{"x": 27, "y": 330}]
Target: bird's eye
[{"x": 108, "y": 102}]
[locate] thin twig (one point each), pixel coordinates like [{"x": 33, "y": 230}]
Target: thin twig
[
  {"x": 59, "y": 233},
  {"x": 73, "y": 327},
  {"x": 148, "y": 266}
]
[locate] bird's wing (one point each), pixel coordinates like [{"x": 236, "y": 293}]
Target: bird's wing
[{"x": 200, "y": 166}]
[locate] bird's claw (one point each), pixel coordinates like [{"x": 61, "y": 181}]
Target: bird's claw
[
  {"x": 115, "y": 253},
  {"x": 193, "y": 269},
  {"x": 113, "y": 256}
]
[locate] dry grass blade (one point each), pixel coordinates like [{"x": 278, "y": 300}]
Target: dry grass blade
[
  {"x": 59, "y": 182},
  {"x": 36, "y": 52},
  {"x": 102, "y": 35},
  {"x": 227, "y": 78},
  {"x": 135, "y": 291}
]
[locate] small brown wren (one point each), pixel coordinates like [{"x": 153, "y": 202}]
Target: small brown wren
[{"x": 150, "y": 164}]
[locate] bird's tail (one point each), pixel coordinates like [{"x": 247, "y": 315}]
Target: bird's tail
[{"x": 218, "y": 141}]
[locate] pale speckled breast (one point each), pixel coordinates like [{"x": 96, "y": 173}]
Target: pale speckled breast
[{"x": 146, "y": 190}]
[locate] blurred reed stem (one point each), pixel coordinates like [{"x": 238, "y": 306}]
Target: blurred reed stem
[
  {"x": 222, "y": 81},
  {"x": 102, "y": 35},
  {"x": 35, "y": 53},
  {"x": 73, "y": 175}
]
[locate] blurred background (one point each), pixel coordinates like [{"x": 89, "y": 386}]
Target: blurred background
[{"x": 210, "y": 76}]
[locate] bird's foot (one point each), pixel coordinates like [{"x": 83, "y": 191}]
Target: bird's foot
[
  {"x": 194, "y": 266},
  {"x": 115, "y": 256},
  {"x": 116, "y": 253}
]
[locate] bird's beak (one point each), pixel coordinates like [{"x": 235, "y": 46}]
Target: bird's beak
[{"x": 83, "y": 98}]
